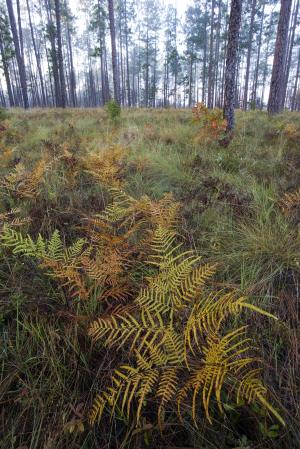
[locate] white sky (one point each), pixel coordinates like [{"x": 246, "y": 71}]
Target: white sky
[{"x": 180, "y": 4}]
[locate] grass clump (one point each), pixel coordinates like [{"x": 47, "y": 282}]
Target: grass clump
[{"x": 82, "y": 204}]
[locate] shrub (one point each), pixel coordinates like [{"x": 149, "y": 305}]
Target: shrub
[
  {"x": 113, "y": 110},
  {"x": 3, "y": 114},
  {"x": 212, "y": 123}
]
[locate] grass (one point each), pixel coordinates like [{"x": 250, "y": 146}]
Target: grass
[{"x": 230, "y": 209}]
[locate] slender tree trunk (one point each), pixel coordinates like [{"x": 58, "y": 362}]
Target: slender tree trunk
[
  {"x": 53, "y": 55},
  {"x": 277, "y": 80},
  {"x": 255, "y": 84},
  {"x": 114, "y": 51},
  {"x": 231, "y": 62},
  {"x": 204, "y": 56},
  {"x": 7, "y": 75},
  {"x": 60, "y": 55},
  {"x": 129, "y": 101},
  {"x": 147, "y": 72},
  {"x": 295, "y": 90},
  {"x": 191, "y": 81},
  {"x": 37, "y": 55},
  {"x": 217, "y": 55},
  {"x": 249, "y": 51},
  {"x": 20, "y": 60},
  {"x": 72, "y": 70},
  {"x": 210, "y": 100},
  {"x": 290, "y": 50},
  {"x": 20, "y": 31}
]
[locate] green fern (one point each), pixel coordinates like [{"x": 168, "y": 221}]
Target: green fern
[{"x": 59, "y": 261}]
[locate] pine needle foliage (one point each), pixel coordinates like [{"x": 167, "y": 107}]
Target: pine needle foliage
[{"x": 180, "y": 348}]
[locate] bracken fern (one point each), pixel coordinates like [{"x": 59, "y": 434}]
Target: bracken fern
[{"x": 178, "y": 348}]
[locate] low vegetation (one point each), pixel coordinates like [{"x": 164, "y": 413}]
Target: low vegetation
[{"x": 149, "y": 279}]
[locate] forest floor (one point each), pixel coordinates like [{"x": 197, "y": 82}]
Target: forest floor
[{"x": 239, "y": 208}]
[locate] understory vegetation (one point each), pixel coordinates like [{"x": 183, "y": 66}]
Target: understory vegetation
[{"x": 149, "y": 279}]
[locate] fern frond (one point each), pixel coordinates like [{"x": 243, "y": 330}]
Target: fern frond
[
  {"x": 222, "y": 356},
  {"x": 251, "y": 389},
  {"x": 289, "y": 201},
  {"x": 208, "y": 314},
  {"x": 55, "y": 247},
  {"x": 122, "y": 326},
  {"x": 24, "y": 183},
  {"x": 167, "y": 389},
  {"x": 154, "y": 300},
  {"x": 60, "y": 262},
  {"x": 74, "y": 251},
  {"x": 19, "y": 244}
]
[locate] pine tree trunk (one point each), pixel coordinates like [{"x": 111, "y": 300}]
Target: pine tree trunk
[
  {"x": 20, "y": 60},
  {"x": 231, "y": 62},
  {"x": 211, "y": 58},
  {"x": 114, "y": 51},
  {"x": 7, "y": 75},
  {"x": 60, "y": 56},
  {"x": 295, "y": 90},
  {"x": 190, "y": 81},
  {"x": 72, "y": 71},
  {"x": 37, "y": 55},
  {"x": 290, "y": 51},
  {"x": 129, "y": 101},
  {"x": 147, "y": 72},
  {"x": 277, "y": 80},
  {"x": 255, "y": 84},
  {"x": 249, "y": 51}
]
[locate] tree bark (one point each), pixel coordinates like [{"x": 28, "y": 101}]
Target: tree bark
[
  {"x": 114, "y": 51},
  {"x": 7, "y": 75},
  {"x": 210, "y": 99},
  {"x": 20, "y": 60},
  {"x": 275, "y": 104},
  {"x": 60, "y": 55},
  {"x": 249, "y": 51},
  {"x": 37, "y": 55},
  {"x": 231, "y": 62},
  {"x": 255, "y": 84},
  {"x": 127, "y": 59},
  {"x": 290, "y": 51},
  {"x": 295, "y": 90}
]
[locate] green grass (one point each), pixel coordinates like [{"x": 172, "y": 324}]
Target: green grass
[{"x": 230, "y": 215}]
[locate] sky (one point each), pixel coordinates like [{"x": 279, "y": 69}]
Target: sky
[{"x": 180, "y": 4}]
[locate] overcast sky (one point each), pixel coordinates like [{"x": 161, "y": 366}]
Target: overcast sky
[{"x": 180, "y": 4}]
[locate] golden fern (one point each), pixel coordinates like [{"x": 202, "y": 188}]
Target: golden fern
[
  {"x": 172, "y": 333},
  {"x": 11, "y": 218},
  {"x": 23, "y": 183},
  {"x": 106, "y": 167},
  {"x": 290, "y": 201},
  {"x": 59, "y": 261}
]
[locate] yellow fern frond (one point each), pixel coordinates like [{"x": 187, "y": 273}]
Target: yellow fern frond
[
  {"x": 289, "y": 201},
  {"x": 208, "y": 314},
  {"x": 251, "y": 389},
  {"x": 222, "y": 356},
  {"x": 168, "y": 385},
  {"x": 122, "y": 326},
  {"x": 23, "y": 183}
]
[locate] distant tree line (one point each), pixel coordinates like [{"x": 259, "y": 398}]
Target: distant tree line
[{"x": 143, "y": 54}]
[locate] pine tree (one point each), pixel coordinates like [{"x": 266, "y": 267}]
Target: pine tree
[
  {"x": 275, "y": 103},
  {"x": 231, "y": 61}
]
